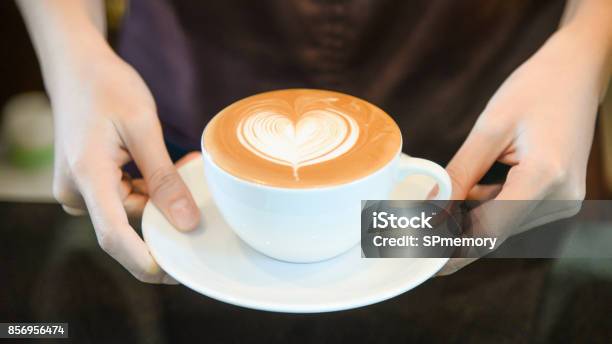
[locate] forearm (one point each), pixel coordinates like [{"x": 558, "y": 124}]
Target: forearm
[
  {"x": 590, "y": 23},
  {"x": 64, "y": 32}
]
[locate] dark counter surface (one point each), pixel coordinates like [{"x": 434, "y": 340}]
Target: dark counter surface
[{"x": 51, "y": 270}]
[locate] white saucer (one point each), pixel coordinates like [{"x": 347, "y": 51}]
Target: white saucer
[{"x": 213, "y": 261}]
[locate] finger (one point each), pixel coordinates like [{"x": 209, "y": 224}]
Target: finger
[
  {"x": 133, "y": 201},
  {"x": 187, "y": 158},
  {"x": 510, "y": 158},
  {"x": 500, "y": 216},
  {"x": 546, "y": 212},
  {"x": 134, "y": 205},
  {"x": 72, "y": 201},
  {"x": 515, "y": 201},
  {"x": 530, "y": 182},
  {"x": 74, "y": 211},
  {"x": 475, "y": 157},
  {"x": 139, "y": 186},
  {"x": 513, "y": 209},
  {"x": 166, "y": 188},
  {"x": 65, "y": 191},
  {"x": 478, "y": 193},
  {"x": 99, "y": 185},
  {"x": 125, "y": 188},
  {"x": 433, "y": 192},
  {"x": 482, "y": 192}
]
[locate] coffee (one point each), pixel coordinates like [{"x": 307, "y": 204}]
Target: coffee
[
  {"x": 301, "y": 138},
  {"x": 323, "y": 151}
]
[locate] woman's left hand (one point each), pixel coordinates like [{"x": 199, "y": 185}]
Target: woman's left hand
[{"x": 540, "y": 122}]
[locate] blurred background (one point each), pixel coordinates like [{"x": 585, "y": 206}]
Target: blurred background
[
  {"x": 52, "y": 270},
  {"x": 26, "y": 132}
]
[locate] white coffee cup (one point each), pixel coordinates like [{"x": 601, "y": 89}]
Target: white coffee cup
[{"x": 308, "y": 225}]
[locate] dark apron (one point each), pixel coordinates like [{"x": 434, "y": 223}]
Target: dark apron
[{"x": 431, "y": 64}]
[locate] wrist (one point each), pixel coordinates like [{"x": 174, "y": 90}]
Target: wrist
[
  {"x": 590, "y": 49},
  {"x": 78, "y": 58},
  {"x": 589, "y": 24}
]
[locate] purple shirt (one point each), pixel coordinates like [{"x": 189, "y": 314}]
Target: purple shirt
[{"x": 431, "y": 64}]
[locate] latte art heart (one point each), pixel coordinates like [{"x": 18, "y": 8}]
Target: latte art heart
[
  {"x": 317, "y": 136},
  {"x": 301, "y": 139}
]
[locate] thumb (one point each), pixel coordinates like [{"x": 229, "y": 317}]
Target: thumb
[
  {"x": 165, "y": 186},
  {"x": 475, "y": 157}
]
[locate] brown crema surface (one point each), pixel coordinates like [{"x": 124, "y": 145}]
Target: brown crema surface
[{"x": 301, "y": 138}]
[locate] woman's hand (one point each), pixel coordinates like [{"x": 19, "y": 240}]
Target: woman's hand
[
  {"x": 105, "y": 117},
  {"x": 541, "y": 123}
]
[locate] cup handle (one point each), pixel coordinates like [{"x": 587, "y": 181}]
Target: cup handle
[{"x": 409, "y": 166}]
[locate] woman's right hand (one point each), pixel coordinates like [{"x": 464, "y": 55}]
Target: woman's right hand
[{"x": 104, "y": 117}]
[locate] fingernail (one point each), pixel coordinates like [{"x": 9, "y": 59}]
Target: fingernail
[{"x": 184, "y": 214}]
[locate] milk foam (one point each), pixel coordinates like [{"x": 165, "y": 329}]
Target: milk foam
[
  {"x": 317, "y": 135},
  {"x": 301, "y": 138}
]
